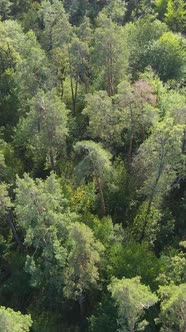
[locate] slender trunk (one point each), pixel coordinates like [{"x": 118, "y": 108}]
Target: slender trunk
[
  {"x": 184, "y": 143},
  {"x": 131, "y": 136},
  {"x": 130, "y": 147},
  {"x": 110, "y": 72},
  {"x": 10, "y": 219},
  {"x": 143, "y": 133},
  {"x": 52, "y": 162},
  {"x": 61, "y": 88},
  {"x": 151, "y": 197},
  {"x": 74, "y": 94},
  {"x": 102, "y": 200},
  {"x": 81, "y": 301}
]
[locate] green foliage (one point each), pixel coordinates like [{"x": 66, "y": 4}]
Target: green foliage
[
  {"x": 175, "y": 15},
  {"x": 57, "y": 29},
  {"x": 83, "y": 260},
  {"x": 137, "y": 104},
  {"x": 163, "y": 166},
  {"x": 115, "y": 9},
  {"x": 132, "y": 259},
  {"x": 131, "y": 298},
  {"x": 171, "y": 50},
  {"x": 96, "y": 158},
  {"x": 5, "y": 202},
  {"x": 173, "y": 269},
  {"x": 5, "y": 9},
  {"x": 161, "y": 7},
  {"x": 173, "y": 307},
  {"x": 153, "y": 221},
  {"x": 44, "y": 130},
  {"x": 110, "y": 54},
  {"x": 42, "y": 214},
  {"x": 11, "y": 321},
  {"x": 104, "y": 317},
  {"x": 104, "y": 119},
  {"x": 141, "y": 36},
  {"x": 101, "y": 103}
]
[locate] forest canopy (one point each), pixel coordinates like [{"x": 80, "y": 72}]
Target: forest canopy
[{"x": 92, "y": 166}]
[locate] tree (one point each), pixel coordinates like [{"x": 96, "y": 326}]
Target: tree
[
  {"x": 140, "y": 37},
  {"x": 132, "y": 259},
  {"x": 32, "y": 71},
  {"x": 138, "y": 105},
  {"x": 5, "y": 9},
  {"x": 115, "y": 9},
  {"x": 161, "y": 7},
  {"x": 132, "y": 299},
  {"x": 57, "y": 29},
  {"x": 173, "y": 307},
  {"x": 11, "y": 321},
  {"x": 171, "y": 50},
  {"x": 42, "y": 215},
  {"x": 142, "y": 8},
  {"x": 173, "y": 269},
  {"x": 96, "y": 162},
  {"x": 71, "y": 52},
  {"x": 110, "y": 54},
  {"x": 78, "y": 53},
  {"x": 83, "y": 261},
  {"x": 2, "y": 161},
  {"x": 24, "y": 63},
  {"x": 6, "y": 212},
  {"x": 159, "y": 165},
  {"x": 44, "y": 130},
  {"x": 105, "y": 120},
  {"x": 175, "y": 15},
  {"x": 77, "y": 9}
]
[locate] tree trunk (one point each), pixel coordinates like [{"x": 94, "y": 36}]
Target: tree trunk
[
  {"x": 131, "y": 136},
  {"x": 151, "y": 197},
  {"x": 11, "y": 223},
  {"x": 81, "y": 301},
  {"x": 74, "y": 94},
  {"x": 102, "y": 200},
  {"x": 51, "y": 155}
]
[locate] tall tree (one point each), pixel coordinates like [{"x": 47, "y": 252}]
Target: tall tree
[
  {"x": 42, "y": 216},
  {"x": 171, "y": 50},
  {"x": 159, "y": 165},
  {"x": 175, "y": 15},
  {"x": 96, "y": 163},
  {"x": 110, "y": 54},
  {"x": 141, "y": 35},
  {"x": 44, "y": 130},
  {"x": 138, "y": 105},
  {"x": 115, "y": 9},
  {"x": 81, "y": 273},
  {"x": 5, "y": 9},
  {"x": 131, "y": 298},
  {"x": 105, "y": 120},
  {"x": 57, "y": 29},
  {"x": 78, "y": 53},
  {"x": 12, "y": 321},
  {"x": 173, "y": 308}
]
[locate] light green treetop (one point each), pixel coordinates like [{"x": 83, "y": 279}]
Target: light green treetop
[
  {"x": 105, "y": 120},
  {"x": 11, "y": 321},
  {"x": 131, "y": 298},
  {"x": 173, "y": 308},
  {"x": 84, "y": 258},
  {"x": 44, "y": 130}
]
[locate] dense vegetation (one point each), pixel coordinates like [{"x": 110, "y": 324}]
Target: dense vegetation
[{"x": 92, "y": 165}]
